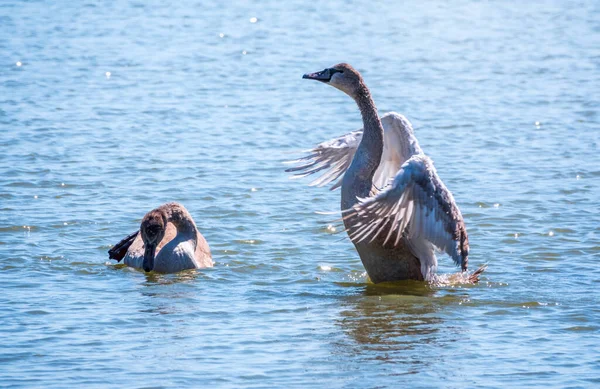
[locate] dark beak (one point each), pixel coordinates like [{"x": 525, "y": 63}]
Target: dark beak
[
  {"x": 149, "y": 252},
  {"x": 323, "y": 75}
]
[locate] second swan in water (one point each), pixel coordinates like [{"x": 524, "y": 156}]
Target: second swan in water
[
  {"x": 396, "y": 209},
  {"x": 168, "y": 241}
]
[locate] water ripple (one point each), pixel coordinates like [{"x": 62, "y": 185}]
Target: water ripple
[{"x": 119, "y": 106}]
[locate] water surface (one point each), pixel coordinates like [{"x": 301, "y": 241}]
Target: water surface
[{"x": 110, "y": 108}]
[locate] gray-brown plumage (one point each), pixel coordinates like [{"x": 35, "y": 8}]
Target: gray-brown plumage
[
  {"x": 395, "y": 208},
  {"x": 168, "y": 241}
]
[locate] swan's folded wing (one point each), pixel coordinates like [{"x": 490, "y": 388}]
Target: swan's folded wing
[
  {"x": 416, "y": 206},
  {"x": 119, "y": 250},
  {"x": 332, "y": 158}
]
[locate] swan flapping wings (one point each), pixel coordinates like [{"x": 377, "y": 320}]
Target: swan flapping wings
[
  {"x": 416, "y": 208},
  {"x": 409, "y": 202},
  {"x": 332, "y": 158}
]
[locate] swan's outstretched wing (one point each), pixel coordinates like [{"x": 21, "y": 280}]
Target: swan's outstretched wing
[
  {"x": 399, "y": 144},
  {"x": 418, "y": 208},
  {"x": 334, "y": 157}
]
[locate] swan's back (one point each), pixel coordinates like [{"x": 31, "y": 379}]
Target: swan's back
[{"x": 203, "y": 256}]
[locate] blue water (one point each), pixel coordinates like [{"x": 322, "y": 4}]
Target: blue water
[{"x": 110, "y": 108}]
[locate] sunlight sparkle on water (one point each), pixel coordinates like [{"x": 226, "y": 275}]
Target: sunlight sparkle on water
[{"x": 166, "y": 121}]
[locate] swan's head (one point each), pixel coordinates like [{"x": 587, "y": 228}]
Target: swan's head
[
  {"x": 342, "y": 76},
  {"x": 153, "y": 228}
]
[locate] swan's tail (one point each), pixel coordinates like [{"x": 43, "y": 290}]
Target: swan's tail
[
  {"x": 119, "y": 250},
  {"x": 461, "y": 278},
  {"x": 474, "y": 277}
]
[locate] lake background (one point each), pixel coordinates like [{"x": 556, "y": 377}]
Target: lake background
[{"x": 110, "y": 108}]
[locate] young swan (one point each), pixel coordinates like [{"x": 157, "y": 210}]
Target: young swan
[
  {"x": 396, "y": 209},
  {"x": 167, "y": 242}
]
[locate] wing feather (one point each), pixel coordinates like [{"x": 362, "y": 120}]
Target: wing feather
[
  {"x": 416, "y": 206},
  {"x": 332, "y": 158}
]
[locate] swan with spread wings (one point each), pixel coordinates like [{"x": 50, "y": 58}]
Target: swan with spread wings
[{"x": 395, "y": 208}]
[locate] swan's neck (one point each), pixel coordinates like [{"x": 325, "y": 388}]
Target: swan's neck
[
  {"x": 182, "y": 220},
  {"x": 372, "y": 140},
  {"x": 368, "y": 155}
]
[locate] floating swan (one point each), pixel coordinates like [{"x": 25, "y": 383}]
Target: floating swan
[
  {"x": 395, "y": 208},
  {"x": 167, "y": 242}
]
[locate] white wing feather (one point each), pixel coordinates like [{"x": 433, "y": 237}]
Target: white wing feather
[
  {"x": 334, "y": 157},
  {"x": 399, "y": 144},
  {"x": 417, "y": 208},
  {"x": 409, "y": 202}
]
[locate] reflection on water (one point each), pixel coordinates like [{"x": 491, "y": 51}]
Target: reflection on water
[
  {"x": 154, "y": 278},
  {"x": 401, "y": 288},
  {"x": 167, "y": 294},
  {"x": 389, "y": 324},
  {"x": 407, "y": 328},
  {"x": 394, "y": 318},
  {"x": 104, "y": 117}
]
